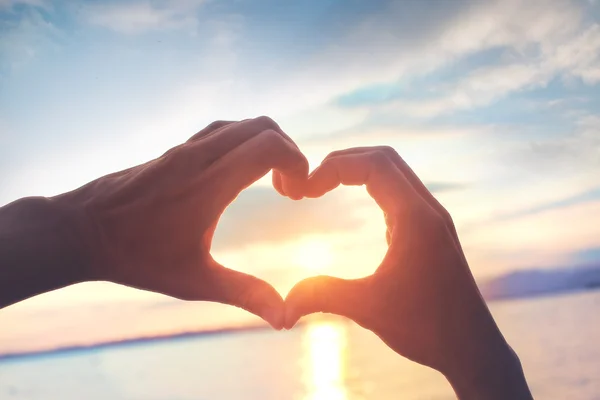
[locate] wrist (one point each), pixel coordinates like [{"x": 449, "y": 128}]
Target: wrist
[
  {"x": 498, "y": 375},
  {"x": 75, "y": 236},
  {"x": 40, "y": 248}
]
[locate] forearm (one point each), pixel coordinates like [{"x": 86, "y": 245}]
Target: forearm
[{"x": 40, "y": 249}]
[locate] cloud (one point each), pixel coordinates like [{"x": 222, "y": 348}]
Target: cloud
[
  {"x": 576, "y": 57},
  {"x": 378, "y": 131},
  {"x": 535, "y": 42},
  {"x": 581, "y": 56},
  {"x": 136, "y": 17},
  {"x": 411, "y": 62},
  {"x": 480, "y": 88},
  {"x": 571, "y": 153},
  {"x": 584, "y": 197}
]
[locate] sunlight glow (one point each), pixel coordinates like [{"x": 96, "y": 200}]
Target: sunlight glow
[
  {"x": 325, "y": 365},
  {"x": 314, "y": 254}
]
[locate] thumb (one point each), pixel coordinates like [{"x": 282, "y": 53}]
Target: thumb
[
  {"x": 345, "y": 297},
  {"x": 249, "y": 293}
]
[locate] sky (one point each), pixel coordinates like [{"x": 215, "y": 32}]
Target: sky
[{"x": 494, "y": 104}]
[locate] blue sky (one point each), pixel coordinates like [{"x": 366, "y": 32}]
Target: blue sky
[{"x": 495, "y": 104}]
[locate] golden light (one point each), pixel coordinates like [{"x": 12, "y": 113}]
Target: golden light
[
  {"x": 313, "y": 253},
  {"x": 325, "y": 344}
]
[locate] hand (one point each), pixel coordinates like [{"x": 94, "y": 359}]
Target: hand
[
  {"x": 422, "y": 301},
  {"x": 151, "y": 226}
]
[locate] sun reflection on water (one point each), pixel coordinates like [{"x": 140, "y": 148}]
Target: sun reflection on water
[{"x": 325, "y": 344}]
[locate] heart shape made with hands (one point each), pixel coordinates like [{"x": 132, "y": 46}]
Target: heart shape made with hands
[
  {"x": 222, "y": 161},
  {"x": 315, "y": 255}
]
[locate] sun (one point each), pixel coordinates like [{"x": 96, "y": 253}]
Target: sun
[{"x": 314, "y": 254}]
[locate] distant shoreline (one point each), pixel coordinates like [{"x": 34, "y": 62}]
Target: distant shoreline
[
  {"x": 541, "y": 294},
  {"x": 130, "y": 342},
  {"x": 230, "y": 330},
  {"x": 541, "y": 282}
]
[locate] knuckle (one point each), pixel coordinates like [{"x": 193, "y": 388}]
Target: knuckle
[
  {"x": 327, "y": 163},
  {"x": 172, "y": 156},
  {"x": 272, "y": 138},
  {"x": 379, "y": 159},
  {"x": 181, "y": 160},
  {"x": 389, "y": 150},
  {"x": 216, "y": 125},
  {"x": 265, "y": 122},
  {"x": 334, "y": 154},
  {"x": 169, "y": 152},
  {"x": 437, "y": 220},
  {"x": 445, "y": 215}
]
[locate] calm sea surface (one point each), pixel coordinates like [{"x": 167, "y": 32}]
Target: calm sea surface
[{"x": 557, "y": 338}]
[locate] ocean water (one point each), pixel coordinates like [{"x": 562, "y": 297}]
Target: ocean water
[{"x": 557, "y": 339}]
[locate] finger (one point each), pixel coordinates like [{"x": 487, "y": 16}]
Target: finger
[
  {"x": 281, "y": 185},
  {"x": 275, "y": 126},
  {"x": 326, "y": 294},
  {"x": 422, "y": 190},
  {"x": 247, "y": 292},
  {"x": 210, "y": 128},
  {"x": 254, "y": 159},
  {"x": 222, "y": 136},
  {"x": 233, "y": 135},
  {"x": 285, "y": 187},
  {"x": 384, "y": 182},
  {"x": 399, "y": 162},
  {"x": 229, "y": 136},
  {"x": 412, "y": 178}
]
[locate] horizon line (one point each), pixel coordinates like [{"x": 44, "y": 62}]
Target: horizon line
[{"x": 234, "y": 329}]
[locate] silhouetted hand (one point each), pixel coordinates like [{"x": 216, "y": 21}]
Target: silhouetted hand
[
  {"x": 151, "y": 226},
  {"x": 422, "y": 301}
]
